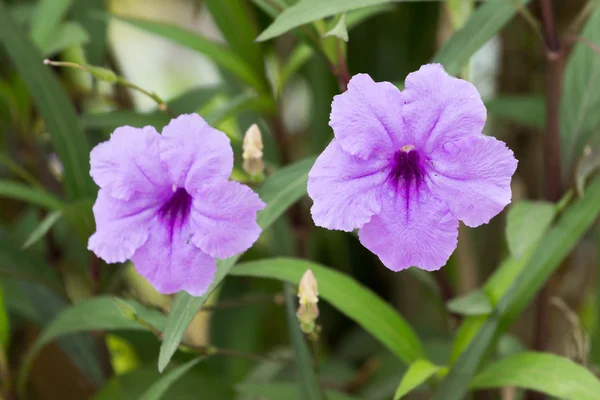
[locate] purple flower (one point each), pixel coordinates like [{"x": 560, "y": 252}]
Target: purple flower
[
  {"x": 404, "y": 167},
  {"x": 165, "y": 202}
]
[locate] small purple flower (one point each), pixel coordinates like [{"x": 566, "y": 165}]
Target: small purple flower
[
  {"x": 404, "y": 167},
  {"x": 165, "y": 202}
]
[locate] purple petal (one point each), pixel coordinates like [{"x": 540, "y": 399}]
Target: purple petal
[
  {"x": 345, "y": 189},
  {"x": 128, "y": 162},
  {"x": 367, "y": 118},
  {"x": 440, "y": 108},
  {"x": 171, "y": 262},
  {"x": 473, "y": 176},
  {"x": 194, "y": 153},
  {"x": 423, "y": 235},
  {"x": 121, "y": 226},
  {"x": 223, "y": 217}
]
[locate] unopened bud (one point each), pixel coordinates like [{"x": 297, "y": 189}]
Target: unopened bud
[
  {"x": 253, "y": 151},
  {"x": 308, "y": 311},
  {"x": 102, "y": 74}
]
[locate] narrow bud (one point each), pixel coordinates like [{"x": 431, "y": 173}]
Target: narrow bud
[
  {"x": 308, "y": 311},
  {"x": 253, "y": 152}
]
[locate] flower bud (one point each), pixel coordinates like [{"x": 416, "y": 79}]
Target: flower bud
[
  {"x": 308, "y": 310},
  {"x": 252, "y": 155}
]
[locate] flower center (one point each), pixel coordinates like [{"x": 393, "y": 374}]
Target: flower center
[
  {"x": 177, "y": 208},
  {"x": 406, "y": 167}
]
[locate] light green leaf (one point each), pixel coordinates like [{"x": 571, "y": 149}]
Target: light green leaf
[
  {"x": 545, "y": 259},
  {"x": 307, "y": 11},
  {"x": 474, "y": 303},
  {"x": 42, "y": 228},
  {"x": 526, "y": 224},
  {"x": 27, "y": 194},
  {"x": 308, "y": 380},
  {"x": 587, "y": 165},
  {"x": 98, "y": 313},
  {"x": 546, "y": 373},
  {"x": 287, "y": 391},
  {"x": 339, "y": 30},
  {"x": 160, "y": 387},
  {"x": 4, "y": 324},
  {"x": 221, "y": 55},
  {"x": 483, "y": 24},
  {"x": 352, "y": 299},
  {"x": 46, "y": 19},
  {"x": 580, "y": 101},
  {"x": 65, "y": 35},
  {"x": 528, "y": 110},
  {"x": 50, "y": 98},
  {"x": 279, "y": 191},
  {"x": 417, "y": 374}
]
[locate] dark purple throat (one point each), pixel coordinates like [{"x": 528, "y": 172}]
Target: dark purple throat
[
  {"x": 406, "y": 168},
  {"x": 177, "y": 209}
]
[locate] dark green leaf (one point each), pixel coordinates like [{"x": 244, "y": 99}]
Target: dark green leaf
[
  {"x": 417, "y": 374},
  {"x": 526, "y": 224},
  {"x": 221, "y": 55},
  {"x": 79, "y": 215},
  {"x": 83, "y": 12},
  {"x": 474, "y": 303},
  {"x": 279, "y": 191},
  {"x": 483, "y": 24},
  {"x": 546, "y": 373},
  {"x": 27, "y": 194},
  {"x": 580, "y": 102},
  {"x": 46, "y": 19},
  {"x": 527, "y": 110},
  {"x": 287, "y": 391},
  {"x": 50, "y": 98},
  {"x": 546, "y": 258},
  {"x": 351, "y": 298},
  {"x": 42, "y": 228},
  {"x": 160, "y": 387}
]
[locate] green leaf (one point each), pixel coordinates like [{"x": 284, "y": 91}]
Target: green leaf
[
  {"x": 352, "y": 299},
  {"x": 417, "y": 374},
  {"x": 287, "y": 391},
  {"x": 114, "y": 119},
  {"x": 50, "y": 98},
  {"x": 79, "y": 215},
  {"x": 98, "y": 313},
  {"x": 339, "y": 30},
  {"x": 4, "y": 324},
  {"x": 483, "y": 24},
  {"x": 84, "y": 13},
  {"x": 265, "y": 371},
  {"x": 306, "y": 376},
  {"x": 546, "y": 373},
  {"x": 528, "y": 110},
  {"x": 474, "y": 303},
  {"x": 27, "y": 194},
  {"x": 545, "y": 259},
  {"x": 160, "y": 387},
  {"x": 526, "y": 224},
  {"x": 587, "y": 165},
  {"x": 307, "y": 11},
  {"x": 46, "y": 19},
  {"x": 279, "y": 191},
  {"x": 221, "y": 55},
  {"x": 580, "y": 102},
  {"x": 42, "y": 228},
  {"x": 235, "y": 21},
  {"x": 65, "y": 35}
]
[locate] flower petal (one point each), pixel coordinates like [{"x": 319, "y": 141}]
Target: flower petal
[
  {"x": 121, "y": 226},
  {"x": 440, "y": 108},
  {"x": 367, "y": 118},
  {"x": 194, "y": 153},
  {"x": 345, "y": 189},
  {"x": 223, "y": 217},
  {"x": 422, "y": 234},
  {"x": 128, "y": 162},
  {"x": 473, "y": 176},
  {"x": 171, "y": 262}
]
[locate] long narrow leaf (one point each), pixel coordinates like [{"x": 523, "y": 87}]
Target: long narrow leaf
[
  {"x": 27, "y": 194},
  {"x": 160, "y": 387}
]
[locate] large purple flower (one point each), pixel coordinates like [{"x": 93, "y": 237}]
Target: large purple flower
[
  {"x": 165, "y": 202},
  {"x": 404, "y": 167}
]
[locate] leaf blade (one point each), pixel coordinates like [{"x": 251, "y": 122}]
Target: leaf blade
[
  {"x": 160, "y": 387},
  {"x": 42, "y": 228},
  {"x": 417, "y": 373}
]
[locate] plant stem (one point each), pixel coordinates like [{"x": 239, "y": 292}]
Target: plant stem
[{"x": 554, "y": 59}]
